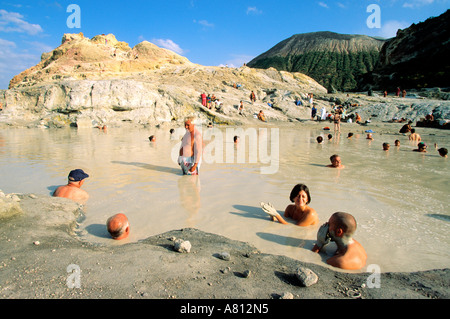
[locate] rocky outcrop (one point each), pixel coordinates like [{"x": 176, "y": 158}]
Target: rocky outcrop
[
  {"x": 102, "y": 57},
  {"x": 334, "y": 60},
  {"x": 107, "y": 82},
  {"x": 416, "y": 58}
]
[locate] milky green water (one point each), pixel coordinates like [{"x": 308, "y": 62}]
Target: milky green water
[{"x": 400, "y": 198}]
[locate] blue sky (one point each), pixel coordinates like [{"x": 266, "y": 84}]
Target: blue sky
[{"x": 207, "y": 32}]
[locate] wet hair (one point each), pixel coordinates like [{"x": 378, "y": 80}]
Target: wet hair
[
  {"x": 332, "y": 157},
  {"x": 443, "y": 151},
  {"x": 297, "y": 189},
  {"x": 330, "y": 136},
  {"x": 319, "y": 139}
]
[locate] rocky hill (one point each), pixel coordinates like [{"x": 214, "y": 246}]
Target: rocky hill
[
  {"x": 102, "y": 80},
  {"x": 89, "y": 82},
  {"x": 418, "y": 57},
  {"x": 334, "y": 60}
]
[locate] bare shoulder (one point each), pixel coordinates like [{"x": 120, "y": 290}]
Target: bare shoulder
[
  {"x": 311, "y": 217},
  {"x": 353, "y": 258},
  {"x": 289, "y": 211}
]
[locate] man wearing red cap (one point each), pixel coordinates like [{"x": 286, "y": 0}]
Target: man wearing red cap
[{"x": 73, "y": 189}]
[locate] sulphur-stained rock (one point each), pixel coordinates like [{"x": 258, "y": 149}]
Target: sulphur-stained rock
[
  {"x": 109, "y": 82},
  {"x": 9, "y": 208},
  {"x": 9, "y": 205}
]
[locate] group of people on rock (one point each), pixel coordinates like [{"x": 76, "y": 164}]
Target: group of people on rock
[{"x": 209, "y": 101}]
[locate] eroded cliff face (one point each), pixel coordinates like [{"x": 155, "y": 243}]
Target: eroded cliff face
[
  {"x": 104, "y": 81},
  {"x": 334, "y": 60},
  {"x": 416, "y": 58}
]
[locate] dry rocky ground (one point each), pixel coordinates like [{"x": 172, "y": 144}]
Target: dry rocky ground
[{"x": 43, "y": 258}]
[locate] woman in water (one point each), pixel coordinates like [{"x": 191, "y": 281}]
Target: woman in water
[{"x": 299, "y": 211}]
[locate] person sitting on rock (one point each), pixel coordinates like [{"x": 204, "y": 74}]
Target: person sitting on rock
[
  {"x": 73, "y": 189},
  {"x": 118, "y": 226},
  {"x": 406, "y": 128},
  {"x": 261, "y": 116},
  {"x": 350, "y": 254}
]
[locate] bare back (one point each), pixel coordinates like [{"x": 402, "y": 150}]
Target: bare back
[
  {"x": 72, "y": 192},
  {"x": 353, "y": 258}
]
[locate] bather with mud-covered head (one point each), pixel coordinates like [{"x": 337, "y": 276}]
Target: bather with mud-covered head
[{"x": 340, "y": 228}]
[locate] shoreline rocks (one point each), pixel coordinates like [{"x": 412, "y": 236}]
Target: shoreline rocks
[{"x": 40, "y": 246}]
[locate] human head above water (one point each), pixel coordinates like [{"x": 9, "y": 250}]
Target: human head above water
[
  {"x": 77, "y": 175},
  {"x": 297, "y": 189},
  {"x": 189, "y": 123},
  {"x": 335, "y": 158},
  {"x": 443, "y": 151},
  {"x": 344, "y": 221},
  {"x": 118, "y": 226}
]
